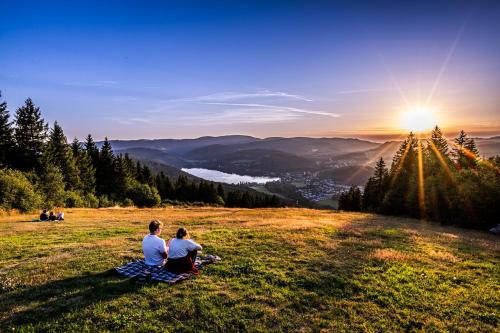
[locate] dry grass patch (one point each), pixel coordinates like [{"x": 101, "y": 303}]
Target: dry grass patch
[{"x": 390, "y": 254}]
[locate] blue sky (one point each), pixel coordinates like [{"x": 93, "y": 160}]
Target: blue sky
[{"x": 161, "y": 69}]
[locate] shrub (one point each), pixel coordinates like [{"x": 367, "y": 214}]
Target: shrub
[
  {"x": 219, "y": 201},
  {"x": 74, "y": 199},
  {"x": 91, "y": 201},
  {"x": 105, "y": 202},
  {"x": 144, "y": 195},
  {"x": 16, "y": 191},
  {"x": 127, "y": 203},
  {"x": 51, "y": 184}
]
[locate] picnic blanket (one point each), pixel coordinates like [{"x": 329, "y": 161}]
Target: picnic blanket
[{"x": 142, "y": 272}]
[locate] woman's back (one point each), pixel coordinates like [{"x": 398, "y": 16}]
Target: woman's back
[{"x": 178, "y": 248}]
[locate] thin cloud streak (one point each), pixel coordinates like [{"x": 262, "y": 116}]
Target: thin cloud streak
[
  {"x": 276, "y": 108},
  {"x": 232, "y": 95},
  {"x": 243, "y": 116}
]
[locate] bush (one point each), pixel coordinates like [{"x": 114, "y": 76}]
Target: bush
[
  {"x": 73, "y": 199},
  {"x": 144, "y": 195},
  {"x": 16, "y": 191},
  {"x": 127, "y": 203},
  {"x": 219, "y": 201},
  {"x": 51, "y": 184},
  {"x": 91, "y": 201},
  {"x": 105, "y": 202}
]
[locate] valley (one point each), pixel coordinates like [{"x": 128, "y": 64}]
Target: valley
[{"x": 311, "y": 171}]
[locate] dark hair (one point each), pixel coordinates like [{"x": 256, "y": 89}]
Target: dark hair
[
  {"x": 45, "y": 211},
  {"x": 155, "y": 225},
  {"x": 181, "y": 233}
]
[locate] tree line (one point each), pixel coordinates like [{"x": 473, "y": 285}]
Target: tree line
[
  {"x": 428, "y": 179},
  {"x": 40, "y": 169}
]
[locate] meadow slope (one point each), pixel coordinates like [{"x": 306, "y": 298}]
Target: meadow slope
[{"x": 282, "y": 270}]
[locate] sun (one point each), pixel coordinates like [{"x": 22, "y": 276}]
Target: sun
[{"x": 418, "y": 119}]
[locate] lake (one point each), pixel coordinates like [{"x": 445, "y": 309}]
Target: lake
[{"x": 228, "y": 178}]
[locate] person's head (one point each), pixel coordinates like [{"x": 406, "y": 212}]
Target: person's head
[
  {"x": 44, "y": 211},
  {"x": 182, "y": 233},
  {"x": 51, "y": 213},
  {"x": 155, "y": 227}
]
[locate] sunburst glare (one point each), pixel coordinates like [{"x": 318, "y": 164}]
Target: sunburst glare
[{"x": 418, "y": 119}]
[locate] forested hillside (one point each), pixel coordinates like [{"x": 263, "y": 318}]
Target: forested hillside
[
  {"x": 428, "y": 179},
  {"x": 39, "y": 169}
]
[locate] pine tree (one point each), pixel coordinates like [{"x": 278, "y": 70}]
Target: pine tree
[
  {"x": 401, "y": 196},
  {"x": 85, "y": 168},
  {"x": 6, "y": 136},
  {"x": 437, "y": 152},
  {"x": 465, "y": 151},
  {"x": 351, "y": 200},
  {"x": 122, "y": 180},
  {"x": 182, "y": 188},
  {"x": 376, "y": 187},
  {"x": 138, "y": 174},
  {"x": 147, "y": 176},
  {"x": 30, "y": 134},
  {"x": 92, "y": 151},
  {"x": 220, "y": 191},
  {"x": 370, "y": 201},
  {"x": 472, "y": 152},
  {"x": 51, "y": 184},
  {"x": 405, "y": 153},
  {"x": 438, "y": 141},
  {"x": 60, "y": 154},
  {"x": 76, "y": 147},
  {"x": 129, "y": 166},
  {"x": 105, "y": 173},
  {"x": 380, "y": 174},
  {"x": 233, "y": 199},
  {"x": 246, "y": 200}
]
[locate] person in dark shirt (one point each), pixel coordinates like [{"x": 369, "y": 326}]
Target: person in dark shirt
[
  {"x": 44, "y": 216},
  {"x": 52, "y": 216}
]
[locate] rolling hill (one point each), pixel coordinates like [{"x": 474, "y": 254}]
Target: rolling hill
[{"x": 282, "y": 270}]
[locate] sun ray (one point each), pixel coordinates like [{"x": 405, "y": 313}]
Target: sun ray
[
  {"x": 445, "y": 65},
  {"x": 421, "y": 185},
  {"x": 370, "y": 161},
  {"x": 393, "y": 80},
  {"x": 398, "y": 166},
  {"x": 441, "y": 160}
]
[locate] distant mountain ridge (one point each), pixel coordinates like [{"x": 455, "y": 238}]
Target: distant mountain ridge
[{"x": 270, "y": 156}]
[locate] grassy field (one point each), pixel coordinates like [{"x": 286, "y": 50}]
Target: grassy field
[{"x": 282, "y": 270}]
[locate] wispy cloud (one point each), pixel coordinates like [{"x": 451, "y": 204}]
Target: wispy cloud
[
  {"x": 124, "y": 99},
  {"x": 237, "y": 108},
  {"x": 276, "y": 108},
  {"x": 100, "y": 83},
  {"x": 242, "y": 116},
  {"x": 233, "y": 95}
]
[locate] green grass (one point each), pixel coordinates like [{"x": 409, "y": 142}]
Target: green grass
[
  {"x": 330, "y": 203},
  {"x": 282, "y": 270},
  {"x": 263, "y": 189}
]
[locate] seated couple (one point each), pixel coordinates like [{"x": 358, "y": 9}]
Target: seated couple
[
  {"x": 51, "y": 217},
  {"x": 180, "y": 251}
]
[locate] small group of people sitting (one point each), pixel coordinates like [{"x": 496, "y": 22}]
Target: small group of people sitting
[
  {"x": 180, "y": 252},
  {"x": 51, "y": 216}
]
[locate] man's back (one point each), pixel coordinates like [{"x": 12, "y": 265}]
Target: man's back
[{"x": 153, "y": 248}]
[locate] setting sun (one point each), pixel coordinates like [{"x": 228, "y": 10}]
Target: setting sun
[{"x": 418, "y": 119}]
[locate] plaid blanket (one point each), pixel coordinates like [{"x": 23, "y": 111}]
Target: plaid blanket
[{"x": 142, "y": 272}]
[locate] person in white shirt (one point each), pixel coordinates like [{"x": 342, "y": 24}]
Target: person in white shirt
[
  {"x": 154, "y": 248},
  {"x": 182, "y": 253}
]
